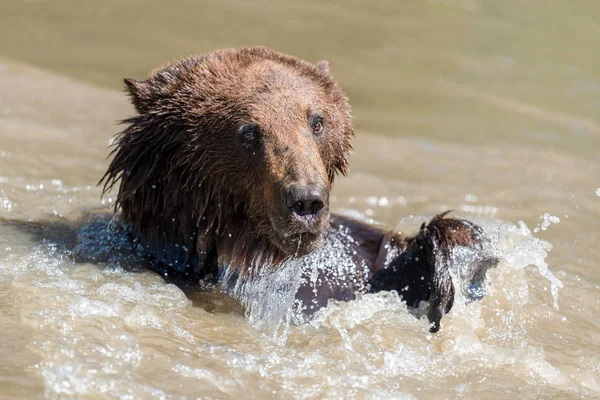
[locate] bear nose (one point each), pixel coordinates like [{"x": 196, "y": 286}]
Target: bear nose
[{"x": 305, "y": 201}]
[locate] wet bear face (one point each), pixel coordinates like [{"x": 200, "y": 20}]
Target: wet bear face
[
  {"x": 244, "y": 137},
  {"x": 290, "y": 140}
]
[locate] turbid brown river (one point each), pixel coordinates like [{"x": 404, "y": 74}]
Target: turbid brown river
[{"x": 490, "y": 108}]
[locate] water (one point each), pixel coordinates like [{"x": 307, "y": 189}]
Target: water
[{"x": 487, "y": 108}]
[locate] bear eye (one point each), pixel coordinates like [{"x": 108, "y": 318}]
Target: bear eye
[
  {"x": 317, "y": 125},
  {"x": 249, "y": 135}
]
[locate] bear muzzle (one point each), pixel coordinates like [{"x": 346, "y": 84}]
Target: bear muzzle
[
  {"x": 306, "y": 204},
  {"x": 304, "y": 219}
]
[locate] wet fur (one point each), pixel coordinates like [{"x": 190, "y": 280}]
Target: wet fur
[
  {"x": 196, "y": 206},
  {"x": 175, "y": 186}
]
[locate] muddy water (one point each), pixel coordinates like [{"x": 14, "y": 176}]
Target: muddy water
[{"x": 488, "y": 108}]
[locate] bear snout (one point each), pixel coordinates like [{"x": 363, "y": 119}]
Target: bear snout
[{"x": 306, "y": 204}]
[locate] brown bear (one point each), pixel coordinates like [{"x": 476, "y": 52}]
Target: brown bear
[{"x": 228, "y": 166}]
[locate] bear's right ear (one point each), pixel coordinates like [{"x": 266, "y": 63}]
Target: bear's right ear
[{"x": 138, "y": 91}]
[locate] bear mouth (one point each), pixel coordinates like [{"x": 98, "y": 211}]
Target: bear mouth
[
  {"x": 296, "y": 238},
  {"x": 299, "y": 244}
]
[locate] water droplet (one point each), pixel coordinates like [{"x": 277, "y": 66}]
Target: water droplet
[
  {"x": 471, "y": 198},
  {"x": 547, "y": 220}
]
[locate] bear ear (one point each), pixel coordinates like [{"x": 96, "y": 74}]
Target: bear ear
[
  {"x": 138, "y": 91},
  {"x": 323, "y": 66}
]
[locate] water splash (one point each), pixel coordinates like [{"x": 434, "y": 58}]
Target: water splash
[
  {"x": 547, "y": 220},
  {"x": 517, "y": 249},
  {"x": 270, "y": 298}
]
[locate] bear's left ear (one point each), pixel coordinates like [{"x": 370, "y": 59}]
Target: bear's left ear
[
  {"x": 139, "y": 92},
  {"x": 323, "y": 66}
]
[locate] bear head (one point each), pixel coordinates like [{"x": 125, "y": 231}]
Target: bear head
[{"x": 235, "y": 150}]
